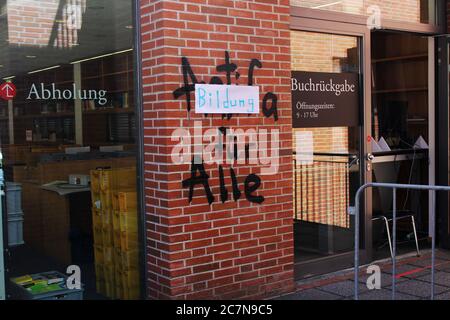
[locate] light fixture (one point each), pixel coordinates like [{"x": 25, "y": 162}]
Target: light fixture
[
  {"x": 102, "y": 56},
  {"x": 31, "y": 57},
  {"x": 9, "y": 78},
  {"x": 44, "y": 69},
  {"x": 129, "y": 27}
]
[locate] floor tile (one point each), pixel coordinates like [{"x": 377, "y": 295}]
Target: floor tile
[
  {"x": 345, "y": 289},
  {"x": 311, "y": 294},
  {"x": 418, "y": 288},
  {"x": 385, "y": 294},
  {"x": 440, "y": 278}
]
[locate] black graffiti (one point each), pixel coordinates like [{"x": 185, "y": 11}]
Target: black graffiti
[
  {"x": 202, "y": 179},
  {"x": 187, "y": 88},
  {"x": 252, "y": 183},
  {"x": 234, "y": 183},
  {"x": 216, "y": 80},
  {"x": 273, "y": 110},
  {"x": 223, "y": 130},
  {"x": 228, "y": 68},
  {"x": 199, "y": 177},
  {"x": 253, "y": 64},
  {"x": 223, "y": 189}
]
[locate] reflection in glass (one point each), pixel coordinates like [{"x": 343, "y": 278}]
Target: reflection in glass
[
  {"x": 326, "y": 180},
  {"x": 72, "y": 121},
  {"x": 414, "y": 11}
]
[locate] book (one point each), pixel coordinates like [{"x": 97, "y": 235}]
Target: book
[
  {"x": 41, "y": 283},
  {"x": 22, "y": 280}
]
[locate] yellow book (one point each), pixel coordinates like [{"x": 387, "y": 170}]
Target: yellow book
[{"x": 22, "y": 280}]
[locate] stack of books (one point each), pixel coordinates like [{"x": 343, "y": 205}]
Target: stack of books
[{"x": 41, "y": 283}]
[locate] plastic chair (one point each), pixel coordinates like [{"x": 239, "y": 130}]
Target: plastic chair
[{"x": 399, "y": 216}]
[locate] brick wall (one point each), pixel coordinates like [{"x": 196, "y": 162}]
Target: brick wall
[
  {"x": 30, "y": 22},
  {"x": 44, "y": 22},
  {"x": 405, "y": 10},
  {"x": 235, "y": 249}
]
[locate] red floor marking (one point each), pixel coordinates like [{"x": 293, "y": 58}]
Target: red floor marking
[
  {"x": 407, "y": 273},
  {"x": 323, "y": 282}
]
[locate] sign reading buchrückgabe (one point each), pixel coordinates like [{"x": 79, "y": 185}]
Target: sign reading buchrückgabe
[
  {"x": 322, "y": 99},
  {"x": 226, "y": 99}
]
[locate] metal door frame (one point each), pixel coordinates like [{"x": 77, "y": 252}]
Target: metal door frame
[
  {"x": 2, "y": 242},
  {"x": 442, "y": 137},
  {"x": 300, "y": 22}
]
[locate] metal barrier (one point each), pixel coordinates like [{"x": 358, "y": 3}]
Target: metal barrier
[{"x": 394, "y": 188}]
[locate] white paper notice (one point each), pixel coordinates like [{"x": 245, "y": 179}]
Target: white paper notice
[
  {"x": 383, "y": 145},
  {"x": 304, "y": 147},
  {"x": 224, "y": 99}
]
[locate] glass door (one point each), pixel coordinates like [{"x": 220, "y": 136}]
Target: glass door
[
  {"x": 402, "y": 138},
  {"x": 327, "y": 137}
]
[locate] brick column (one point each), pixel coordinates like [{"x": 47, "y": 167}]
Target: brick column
[{"x": 237, "y": 246}]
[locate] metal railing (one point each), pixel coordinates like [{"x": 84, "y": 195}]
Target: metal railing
[
  {"x": 394, "y": 188},
  {"x": 307, "y": 175}
]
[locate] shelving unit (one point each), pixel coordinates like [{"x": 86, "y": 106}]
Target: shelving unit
[
  {"x": 113, "y": 74},
  {"x": 398, "y": 90},
  {"x": 401, "y": 58},
  {"x": 400, "y": 77}
]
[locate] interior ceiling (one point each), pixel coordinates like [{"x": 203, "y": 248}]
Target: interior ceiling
[{"x": 105, "y": 28}]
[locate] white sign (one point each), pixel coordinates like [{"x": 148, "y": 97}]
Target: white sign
[
  {"x": 44, "y": 92},
  {"x": 224, "y": 99},
  {"x": 304, "y": 147}
]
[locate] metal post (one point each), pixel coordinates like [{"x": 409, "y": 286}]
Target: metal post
[
  {"x": 357, "y": 213},
  {"x": 395, "y": 187},
  {"x": 433, "y": 239},
  {"x": 394, "y": 239}
]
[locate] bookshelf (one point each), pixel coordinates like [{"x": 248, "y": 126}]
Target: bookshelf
[
  {"x": 400, "y": 78},
  {"x": 55, "y": 121}
]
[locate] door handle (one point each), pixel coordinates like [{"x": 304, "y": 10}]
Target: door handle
[{"x": 370, "y": 157}]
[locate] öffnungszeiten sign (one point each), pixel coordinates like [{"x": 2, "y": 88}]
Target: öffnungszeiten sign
[{"x": 322, "y": 99}]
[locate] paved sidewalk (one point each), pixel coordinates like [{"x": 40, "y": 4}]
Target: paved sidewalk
[{"x": 413, "y": 277}]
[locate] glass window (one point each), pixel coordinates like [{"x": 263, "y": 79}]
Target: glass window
[
  {"x": 326, "y": 179},
  {"x": 68, "y": 138},
  {"x": 399, "y": 88},
  {"x": 400, "y": 131},
  {"x": 414, "y": 11}
]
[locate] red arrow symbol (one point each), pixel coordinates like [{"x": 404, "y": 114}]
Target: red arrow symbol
[{"x": 8, "y": 91}]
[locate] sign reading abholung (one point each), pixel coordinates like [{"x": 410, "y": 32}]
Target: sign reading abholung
[{"x": 322, "y": 99}]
